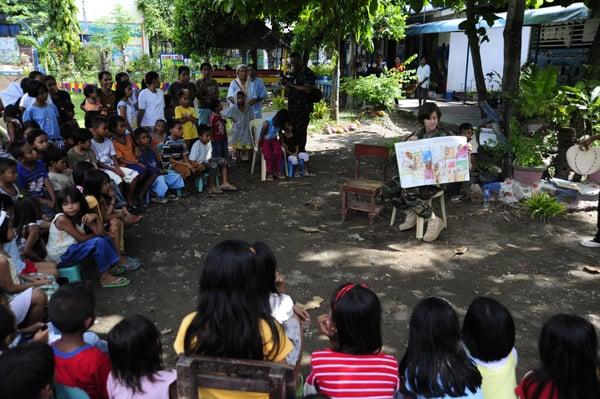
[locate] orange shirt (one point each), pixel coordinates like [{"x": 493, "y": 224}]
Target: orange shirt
[{"x": 125, "y": 152}]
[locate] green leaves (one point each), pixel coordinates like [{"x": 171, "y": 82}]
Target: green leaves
[
  {"x": 378, "y": 91},
  {"x": 543, "y": 206}
]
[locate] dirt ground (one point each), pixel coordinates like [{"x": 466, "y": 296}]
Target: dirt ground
[{"x": 532, "y": 268}]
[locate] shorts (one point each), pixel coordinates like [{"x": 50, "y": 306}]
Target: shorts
[
  {"x": 29, "y": 267},
  {"x": 141, "y": 171},
  {"x": 130, "y": 174},
  {"x": 20, "y": 304},
  {"x": 220, "y": 149}
]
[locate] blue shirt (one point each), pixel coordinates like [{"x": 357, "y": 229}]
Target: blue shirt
[
  {"x": 257, "y": 89},
  {"x": 272, "y": 131},
  {"x": 33, "y": 180},
  {"x": 46, "y": 117}
]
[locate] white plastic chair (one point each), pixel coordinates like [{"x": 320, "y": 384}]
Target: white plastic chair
[
  {"x": 255, "y": 129},
  {"x": 420, "y": 220}
]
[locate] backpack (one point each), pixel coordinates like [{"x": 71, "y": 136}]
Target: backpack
[{"x": 315, "y": 95}]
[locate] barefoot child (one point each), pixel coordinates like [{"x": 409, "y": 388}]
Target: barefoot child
[
  {"x": 240, "y": 114},
  {"x": 69, "y": 244},
  {"x": 219, "y": 132},
  {"x": 175, "y": 154},
  {"x": 269, "y": 142},
  {"x": 188, "y": 117},
  {"x": 202, "y": 153}
]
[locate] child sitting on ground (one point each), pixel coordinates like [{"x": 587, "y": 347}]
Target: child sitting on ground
[
  {"x": 28, "y": 127},
  {"x": 32, "y": 177},
  {"x": 436, "y": 364},
  {"x": 164, "y": 181},
  {"x": 38, "y": 139},
  {"x": 8, "y": 178},
  {"x": 58, "y": 173},
  {"x": 269, "y": 144},
  {"x": 353, "y": 327},
  {"x": 186, "y": 113},
  {"x": 78, "y": 364},
  {"x": 216, "y": 122},
  {"x": 240, "y": 114},
  {"x": 202, "y": 153},
  {"x": 137, "y": 364},
  {"x": 69, "y": 244},
  {"x": 568, "y": 349},
  {"x": 174, "y": 153},
  {"x": 159, "y": 133},
  {"x": 30, "y": 370},
  {"x": 296, "y": 160},
  {"x": 126, "y": 156},
  {"x": 489, "y": 334},
  {"x": 81, "y": 150},
  {"x": 107, "y": 159},
  {"x": 91, "y": 102}
]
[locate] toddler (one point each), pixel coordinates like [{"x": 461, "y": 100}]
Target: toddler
[
  {"x": 188, "y": 117},
  {"x": 202, "y": 153},
  {"x": 174, "y": 153},
  {"x": 32, "y": 177},
  {"x": 78, "y": 364},
  {"x": 269, "y": 144},
  {"x": 240, "y": 114},
  {"x": 219, "y": 132},
  {"x": 296, "y": 160},
  {"x": 8, "y": 178},
  {"x": 164, "y": 181},
  {"x": 91, "y": 102},
  {"x": 60, "y": 176}
]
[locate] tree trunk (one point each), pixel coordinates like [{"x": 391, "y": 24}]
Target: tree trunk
[
  {"x": 512, "y": 57},
  {"x": 254, "y": 57},
  {"x": 567, "y": 137},
  {"x": 353, "y": 59},
  {"x": 594, "y": 55},
  {"x": 475, "y": 50},
  {"x": 335, "y": 82}
]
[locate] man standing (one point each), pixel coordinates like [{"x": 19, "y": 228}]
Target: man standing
[
  {"x": 423, "y": 75},
  {"x": 257, "y": 92},
  {"x": 106, "y": 94},
  {"x": 207, "y": 89},
  {"x": 298, "y": 86}
]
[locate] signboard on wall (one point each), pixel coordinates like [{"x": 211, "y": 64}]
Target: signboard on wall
[
  {"x": 177, "y": 59},
  {"x": 568, "y": 61}
]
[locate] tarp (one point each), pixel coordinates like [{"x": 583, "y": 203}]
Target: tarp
[
  {"x": 557, "y": 14},
  {"x": 12, "y": 93}
]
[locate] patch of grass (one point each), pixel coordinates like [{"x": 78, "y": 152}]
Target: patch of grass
[
  {"x": 77, "y": 99},
  {"x": 543, "y": 206}
]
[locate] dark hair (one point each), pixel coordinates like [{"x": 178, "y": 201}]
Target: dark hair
[
  {"x": 81, "y": 135},
  {"x": 34, "y": 134},
  {"x": 435, "y": 353},
  {"x": 35, "y": 88},
  {"x": 266, "y": 265},
  {"x": 182, "y": 93},
  {"x": 423, "y": 57},
  {"x": 182, "y": 69},
  {"x": 8, "y": 325},
  {"x": 30, "y": 125},
  {"x": 213, "y": 104},
  {"x": 295, "y": 54},
  {"x": 281, "y": 118},
  {"x": 24, "y": 84},
  {"x": 102, "y": 73},
  {"x": 93, "y": 181},
  {"x": 6, "y": 163},
  {"x": 172, "y": 123},
  {"x": 135, "y": 351},
  {"x": 74, "y": 195},
  {"x": 6, "y": 202},
  {"x": 488, "y": 330},
  {"x": 205, "y": 65},
  {"x": 568, "y": 349},
  {"x": 27, "y": 210},
  {"x": 70, "y": 306},
  {"x": 356, "y": 315},
  {"x": 79, "y": 171},
  {"x": 16, "y": 150},
  {"x": 89, "y": 117},
  {"x": 29, "y": 368},
  {"x": 203, "y": 127},
  {"x": 120, "y": 90},
  {"x": 98, "y": 121},
  {"x": 113, "y": 121},
  {"x": 227, "y": 323},
  {"x": 89, "y": 89},
  {"x": 251, "y": 65},
  {"x": 240, "y": 93},
  {"x": 160, "y": 120},
  {"x": 137, "y": 133},
  {"x": 426, "y": 110},
  {"x": 120, "y": 75},
  {"x": 49, "y": 78},
  {"x": 12, "y": 111},
  {"x": 465, "y": 126},
  {"x": 151, "y": 77},
  {"x": 35, "y": 74}
]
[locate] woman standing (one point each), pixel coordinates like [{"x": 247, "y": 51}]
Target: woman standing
[{"x": 238, "y": 84}]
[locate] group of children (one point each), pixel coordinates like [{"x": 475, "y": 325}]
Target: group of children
[{"x": 244, "y": 313}]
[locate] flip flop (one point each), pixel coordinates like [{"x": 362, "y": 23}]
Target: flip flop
[
  {"x": 131, "y": 264},
  {"x": 116, "y": 270},
  {"x": 228, "y": 187},
  {"x": 118, "y": 283}
]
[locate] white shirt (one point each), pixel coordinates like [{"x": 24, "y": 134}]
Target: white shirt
[
  {"x": 26, "y": 101},
  {"x": 200, "y": 152},
  {"x": 423, "y": 72},
  {"x": 104, "y": 151},
  {"x": 154, "y": 106},
  {"x": 282, "y": 307}
]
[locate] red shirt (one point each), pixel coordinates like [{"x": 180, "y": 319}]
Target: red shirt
[
  {"x": 340, "y": 375},
  {"x": 545, "y": 394},
  {"x": 86, "y": 368},
  {"x": 217, "y": 124}
]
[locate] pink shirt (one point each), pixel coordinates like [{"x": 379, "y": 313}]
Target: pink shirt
[{"x": 159, "y": 389}]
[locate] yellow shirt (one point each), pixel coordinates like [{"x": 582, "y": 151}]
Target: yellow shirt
[
  {"x": 189, "y": 128},
  {"x": 285, "y": 347},
  {"x": 499, "y": 379}
]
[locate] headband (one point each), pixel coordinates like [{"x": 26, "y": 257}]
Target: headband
[{"x": 347, "y": 288}]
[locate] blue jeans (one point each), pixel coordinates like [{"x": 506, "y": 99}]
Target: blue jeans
[
  {"x": 99, "y": 248},
  {"x": 219, "y": 149}
]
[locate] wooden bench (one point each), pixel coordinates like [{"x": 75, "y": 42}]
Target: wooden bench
[{"x": 193, "y": 372}]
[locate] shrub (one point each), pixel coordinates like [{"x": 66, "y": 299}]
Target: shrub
[
  {"x": 279, "y": 103},
  {"x": 321, "y": 110},
  {"x": 543, "y": 206},
  {"x": 325, "y": 69}
]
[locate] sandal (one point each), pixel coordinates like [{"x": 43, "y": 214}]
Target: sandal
[
  {"x": 131, "y": 263},
  {"x": 116, "y": 270},
  {"x": 118, "y": 283},
  {"x": 228, "y": 187},
  {"x": 157, "y": 200}
]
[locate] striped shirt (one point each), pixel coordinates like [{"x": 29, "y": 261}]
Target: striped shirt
[{"x": 339, "y": 375}]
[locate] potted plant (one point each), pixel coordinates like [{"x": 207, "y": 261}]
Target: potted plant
[
  {"x": 538, "y": 89},
  {"x": 528, "y": 164}
]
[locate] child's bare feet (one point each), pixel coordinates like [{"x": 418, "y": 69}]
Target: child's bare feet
[
  {"x": 228, "y": 187},
  {"x": 215, "y": 190}
]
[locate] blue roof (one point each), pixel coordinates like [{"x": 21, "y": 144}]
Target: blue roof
[{"x": 557, "y": 14}]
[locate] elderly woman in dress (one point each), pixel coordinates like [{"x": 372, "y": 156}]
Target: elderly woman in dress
[{"x": 240, "y": 83}]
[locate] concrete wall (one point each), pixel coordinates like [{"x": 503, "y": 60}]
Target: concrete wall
[{"x": 492, "y": 58}]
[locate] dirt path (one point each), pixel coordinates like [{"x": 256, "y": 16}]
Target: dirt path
[{"x": 530, "y": 267}]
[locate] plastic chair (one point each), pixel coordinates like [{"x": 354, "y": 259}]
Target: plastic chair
[
  {"x": 420, "y": 220},
  {"x": 72, "y": 273},
  {"x": 255, "y": 128},
  {"x": 65, "y": 392},
  {"x": 202, "y": 181}
]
